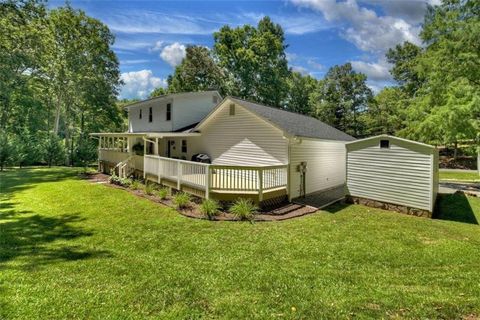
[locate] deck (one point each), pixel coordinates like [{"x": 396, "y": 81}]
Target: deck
[{"x": 206, "y": 180}]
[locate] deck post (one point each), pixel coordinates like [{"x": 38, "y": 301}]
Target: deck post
[
  {"x": 260, "y": 184},
  {"x": 159, "y": 170},
  {"x": 207, "y": 183},
  {"x": 179, "y": 175}
]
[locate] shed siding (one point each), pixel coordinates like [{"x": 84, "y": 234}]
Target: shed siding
[
  {"x": 399, "y": 174},
  {"x": 325, "y": 165},
  {"x": 242, "y": 139}
]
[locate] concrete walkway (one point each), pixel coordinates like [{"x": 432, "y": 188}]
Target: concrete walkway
[{"x": 452, "y": 187}]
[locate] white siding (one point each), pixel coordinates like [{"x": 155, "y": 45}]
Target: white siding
[
  {"x": 325, "y": 165},
  {"x": 159, "y": 112},
  {"x": 401, "y": 174},
  {"x": 188, "y": 110},
  {"x": 242, "y": 139}
]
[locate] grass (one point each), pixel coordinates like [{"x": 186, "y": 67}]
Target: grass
[
  {"x": 70, "y": 249},
  {"x": 459, "y": 176}
]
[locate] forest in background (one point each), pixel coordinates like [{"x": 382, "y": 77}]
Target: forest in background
[{"x": 60, "y": 79}]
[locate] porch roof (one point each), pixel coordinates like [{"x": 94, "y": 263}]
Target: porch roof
[{"x": 146, "y": 134}]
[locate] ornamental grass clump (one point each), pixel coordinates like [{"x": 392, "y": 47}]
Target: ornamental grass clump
[
  {"x": 149, "y": 189},
  {"x": 135, "y": 185},
  {"x": 209, "y": 208},
  {"x": 244, "y": 209},
  {"x": 181, "y": 200},
  {"x": 162, "y": 193}
]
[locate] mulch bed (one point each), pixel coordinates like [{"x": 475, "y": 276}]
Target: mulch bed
[{"x": 283, "y": 211}]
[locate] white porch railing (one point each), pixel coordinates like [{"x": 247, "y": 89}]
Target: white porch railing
[{"x": 210, "y": 177}]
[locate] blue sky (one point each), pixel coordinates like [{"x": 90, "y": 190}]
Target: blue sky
[{"x": 151, "y": 36}]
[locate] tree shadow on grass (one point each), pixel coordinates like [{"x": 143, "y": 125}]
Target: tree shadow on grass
[
  {"x": 29, "y": 240},
  {"x": 15, "y": 180},
  {"x": 454, "y": 207}
]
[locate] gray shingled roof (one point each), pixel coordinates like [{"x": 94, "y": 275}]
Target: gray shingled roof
[{"x": 294, "y": 123}]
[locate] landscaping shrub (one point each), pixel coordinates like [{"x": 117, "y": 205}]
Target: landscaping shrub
[
  {"x": 181, "y": 200},
  {"x": 162, "y": 193},
  {"x": 126, "y": 182},
  {"x": 135, "y": 185},
  {"x": 243, "y": 209},
  {"x": 114, "y": 179},
  {"x": 149, "y": 189},
  {"x": 210, "y": 208}
]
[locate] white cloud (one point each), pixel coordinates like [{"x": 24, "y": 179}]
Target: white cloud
[
  {"x": 367, "y": 30},
  {"x": 301, "y": 70},
  {"x": 174, "y": 53},
  {"x": 315, "y": 65},
  {"x": 412, "y": 11},
  {"x": 139, "y": 84},
  {"x": 376, "y": 71},
  {"x": 144, "y": 21},
  {"x": 293, "y": 23}
]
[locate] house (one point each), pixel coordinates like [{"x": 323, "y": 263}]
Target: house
[
  {"x": 393, "y": 171},
  {"x": 256, "y": 151}
]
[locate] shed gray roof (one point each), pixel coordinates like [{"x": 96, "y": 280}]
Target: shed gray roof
[{"x": 294, "y": 123}]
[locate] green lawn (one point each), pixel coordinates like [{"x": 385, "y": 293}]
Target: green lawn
[
  {"x": 459, "y": 176},
  {"x": 70, "y": 249}
]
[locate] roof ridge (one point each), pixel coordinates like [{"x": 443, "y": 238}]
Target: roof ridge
[
  {"x": 168, "y": 94},
  {"x": 276, "y": 108}
]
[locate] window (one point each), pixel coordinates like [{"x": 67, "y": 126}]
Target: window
[
  {"x": 184, "y": 146},
  {"x": 214, "y": 99},
  {"x": 150, "y": 114},
  {"x": 140, "y": 114},
  {"x": 232, "y": 109},
  {"x": 384, "y": 144},
  {"x": 169, "y": 111}
]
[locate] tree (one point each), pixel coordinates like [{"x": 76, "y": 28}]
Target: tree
[
  {"x": 404, "y": 58},
  {"x": 386, "y": 112},
  {"x": 82, "y": 75},
  {"x": 7, "y": 149},
  {"x": 445, "y": 109},
  {"x": 197, "y": 72},
  {"x": 341, "y": 97},
  {"x": 160, "y": 91},
  {"x": 54, "y": 150},
  {"x": 300, "y": 88},
  {"x": 254, "y": 61}
]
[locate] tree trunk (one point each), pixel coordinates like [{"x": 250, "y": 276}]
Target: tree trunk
[{"x": 455, "y": 150}]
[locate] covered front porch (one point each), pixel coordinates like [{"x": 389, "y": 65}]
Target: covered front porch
[{"x": 156, "y": 157}]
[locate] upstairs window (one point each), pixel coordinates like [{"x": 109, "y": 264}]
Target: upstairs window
[
  {"x": 140, "y": 114},
  {"x": 232, "y": 109},
  {"x": 184, "y": 146},
  {"x": 384, "y": 144},
  {"x": 150, "y": 114},
  {"x": 169, "y": 111}
]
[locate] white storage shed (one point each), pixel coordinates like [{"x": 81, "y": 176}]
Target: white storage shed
[{"x": 393, "y": 170}]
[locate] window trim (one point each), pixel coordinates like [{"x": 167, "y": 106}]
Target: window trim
[
  {"x": 150, "y": 114},
  {"x": 184, "y": 146},
  {"x": 232, "y": 109},
  {"x": 168, "y": 114}
]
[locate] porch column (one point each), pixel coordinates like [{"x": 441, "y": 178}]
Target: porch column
[{"x": 155, "y": 148}]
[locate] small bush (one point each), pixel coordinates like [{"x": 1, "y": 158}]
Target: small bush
[
  {"x": 243, "y": 209},
  {"x": 126, "y": 182},
  {"x": 150, "y": 189},
  {"x": 135, "y": 185},
  {"x": 210, "y": 208},
  {"x": 163, "y": 193},
  {"x": 114, "y": 179},
  {"x": 181, "y": 200}
]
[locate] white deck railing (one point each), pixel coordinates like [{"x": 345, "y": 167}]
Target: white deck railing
[{"x": 210, "y": 177}]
